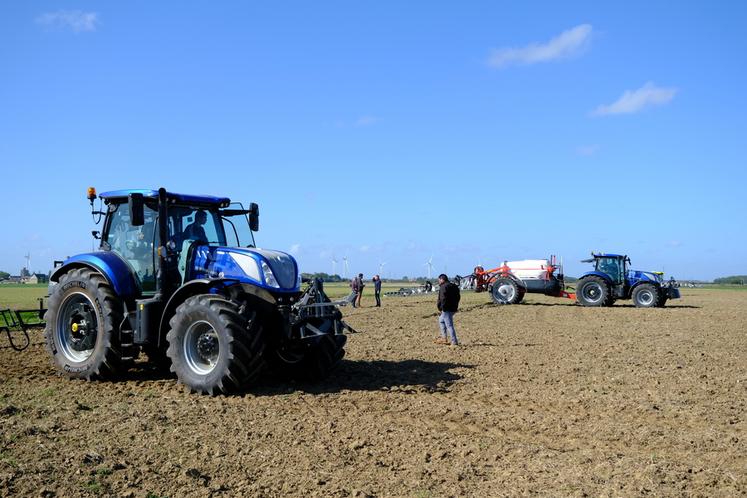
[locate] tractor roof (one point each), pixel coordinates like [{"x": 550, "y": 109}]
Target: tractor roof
[
  {"x": 153, "y": 194},
  {"x": 608, "y": 255}
]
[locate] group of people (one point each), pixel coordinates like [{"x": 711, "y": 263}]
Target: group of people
[
  {"x": 357, "y": 286},
  {"x": 447, "y": 304}
]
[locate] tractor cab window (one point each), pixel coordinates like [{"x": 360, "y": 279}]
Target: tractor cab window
[
  {"x": 201, "y": 225},
  {"x": 236, "y": 225},
  {"x": 135, "y": 244},
  {"x": 610, "y": 266}
]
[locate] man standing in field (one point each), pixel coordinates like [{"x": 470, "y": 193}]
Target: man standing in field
[
  {"x": 448, "y": 304},
  {"x": 360, "y": 287},
  {"x": 357, "y": 286},
  {"x": 377, "y": 290}
]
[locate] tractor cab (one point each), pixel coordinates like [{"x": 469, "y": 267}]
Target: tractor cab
[
  {"x": 613, "y": 265},
  {"x": 133, "y": 231}
]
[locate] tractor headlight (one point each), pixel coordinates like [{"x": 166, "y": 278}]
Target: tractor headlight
[
  {"x": 248, "y": 265},
  {"x": 269, "y": 276}
]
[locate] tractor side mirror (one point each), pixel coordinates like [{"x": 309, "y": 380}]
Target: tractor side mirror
[
  {"x": 137, "y": 212},
  {"x": 254, "y": 216}
]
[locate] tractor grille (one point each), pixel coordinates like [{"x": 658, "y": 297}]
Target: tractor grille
[{"x": 282, "y": 267}]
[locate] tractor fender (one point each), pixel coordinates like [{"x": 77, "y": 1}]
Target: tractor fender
[
  {"x": 641, "y": 282},
  {"x": 113, "y": 268},
  {"x": 206, "y": 286},
  {"x": 597, "y": 274}
]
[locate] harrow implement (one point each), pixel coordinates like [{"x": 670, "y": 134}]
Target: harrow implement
[{"x": 17, "y": 322}]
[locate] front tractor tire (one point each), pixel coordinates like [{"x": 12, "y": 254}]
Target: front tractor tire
[
  {"x": 593, "y": 291},
  {"x": 213, "y": 347},
  {"x": 82, "y": 327},
  {"x": 646, "y": 296},
  {"x": 309, "y": 359},
  {"x": 506, "y": 290}
]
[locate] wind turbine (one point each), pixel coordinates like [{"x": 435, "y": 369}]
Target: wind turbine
[
  {"x": 345, "y": 268},
  {"x": 334, "y": 265},
  {"x": 381, "y": 268},
  {"x": 28, "y": 262},
  {"x": 429, "y": 264}
]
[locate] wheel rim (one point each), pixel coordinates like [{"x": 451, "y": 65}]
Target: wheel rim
[
  {"x": 592, "y": 292},
  {"x": 77, "y": 327},
  {"x": 201, "y": 347},
  {"x": 506, "y": 292},
  {"x": 645, "y": 297}
]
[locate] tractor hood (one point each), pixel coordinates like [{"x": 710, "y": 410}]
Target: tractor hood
[
  {"x": 639, "y": 275},
  {"x": 272, "y": 270}
]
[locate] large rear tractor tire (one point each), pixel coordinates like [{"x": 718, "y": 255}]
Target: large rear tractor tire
[
  {"x": 82, "y": 331},
  {"x": 593, "y": 291},
  {"x": 507, "y": 291},
  {"x": 309, "y": 359},
  {"x": 213, "y": 347},
  {"x": 646, "y": 296}
]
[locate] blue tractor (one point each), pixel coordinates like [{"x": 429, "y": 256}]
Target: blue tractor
[
  {"x": 180, "y": 279},
  {"x": 611, "y": 280}
]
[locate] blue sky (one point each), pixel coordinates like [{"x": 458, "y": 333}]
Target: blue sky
[{"x": 388, "y": 131}]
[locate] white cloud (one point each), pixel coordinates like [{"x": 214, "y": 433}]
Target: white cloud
[
  {"x": 364, "y": 248},
  {"x": 365, "y": 121},
  {"x": 566, "y": 44},
  {"x": 75, "y": 20},
  {"x": 633, "y": 101},
  {"x": 587, "y": 150}
]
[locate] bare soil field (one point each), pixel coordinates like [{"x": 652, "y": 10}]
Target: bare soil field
[{"x": 543, "y": 398}]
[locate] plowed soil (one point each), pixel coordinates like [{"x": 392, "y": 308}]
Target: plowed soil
[{"x": 542, "y": 398}]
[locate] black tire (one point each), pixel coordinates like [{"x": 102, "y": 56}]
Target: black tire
[
  {"x": 506, "y": 290},
  {"x": 593, "y": 291},
  {"x": 309, "y": 359},
  {"x": 213, "y": 347},
  {"x": 82, "y": 330},
  {"x": 646, "y": 296},
  {"x": 157, "y": 357}
]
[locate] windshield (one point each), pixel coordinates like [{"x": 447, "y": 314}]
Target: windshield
[
  {"x": 236, "y": 225},
  {"x": 610, "y": 266}
]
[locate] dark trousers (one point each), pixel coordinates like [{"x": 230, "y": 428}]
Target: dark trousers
[{"x": 377, "y": 295}]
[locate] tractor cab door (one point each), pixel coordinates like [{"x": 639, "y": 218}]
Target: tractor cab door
[
  {"x": 189, "y": 228},
  {"x": 135, "y": 244},
  {"x": 614, "y": 267}
]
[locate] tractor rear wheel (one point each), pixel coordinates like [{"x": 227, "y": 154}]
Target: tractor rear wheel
[
  {"x": 593, "y": 291},
  {"x": 309, "y": 359},
  {"x": 646, "y": 296},
  {"x": 213, "y": 347},
  {"x": 82, "y": 331},
  {"x": 506, "y": 291}
]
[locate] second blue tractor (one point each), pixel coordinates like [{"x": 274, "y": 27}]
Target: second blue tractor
[{"x": 612, "y": 279}]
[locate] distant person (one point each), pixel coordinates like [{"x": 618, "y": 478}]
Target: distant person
[
  {"x": 194, "y": 230},
  {"x": 354, "y": 286},
  {"x": 358, "y": 286},
  {"x": 448, "y": 304},
  {"x": 377, "y": 290}
]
